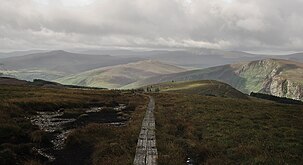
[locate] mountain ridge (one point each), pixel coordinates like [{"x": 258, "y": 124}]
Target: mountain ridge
[{"x": 277, "y": 77}]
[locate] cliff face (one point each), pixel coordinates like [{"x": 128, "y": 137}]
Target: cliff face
[
  {"x": 276, "y": 77},
  {"x": 284, "y": 88}
]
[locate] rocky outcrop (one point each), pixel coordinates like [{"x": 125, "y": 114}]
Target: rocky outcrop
[
  {"x": 284, "y": 88},
  {"x": 271, "y": 76}
]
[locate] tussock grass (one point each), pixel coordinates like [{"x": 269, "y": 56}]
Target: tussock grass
[
  {"x": 91, "y": 144},
  {"x": 214, "y": 130}
]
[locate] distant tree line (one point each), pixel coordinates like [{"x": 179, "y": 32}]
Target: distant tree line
[{"x": 282, "y": 100}]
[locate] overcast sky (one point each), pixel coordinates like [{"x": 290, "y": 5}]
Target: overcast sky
[{"x": 247, "y": 25}]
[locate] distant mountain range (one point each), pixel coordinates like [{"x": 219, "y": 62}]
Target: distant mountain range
[
  {"x": 56, "y": 64},
  {"x": 194, "y": 58},
  {"x": 132, "y": 69},
  {"x": 20, "y": 53}
]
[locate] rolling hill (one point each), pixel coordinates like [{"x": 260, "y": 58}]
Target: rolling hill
[
  {"x": 277, "y": 77},
  {"x": 55, "y": 64},
  {"x": 200, "y": 87},
  {"x": 120, "y": 75}
]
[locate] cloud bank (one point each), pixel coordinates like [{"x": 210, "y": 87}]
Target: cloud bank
[{"x": 248, "y": 25}]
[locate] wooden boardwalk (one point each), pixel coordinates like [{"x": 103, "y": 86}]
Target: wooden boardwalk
[{"x": 146, "y": 152}]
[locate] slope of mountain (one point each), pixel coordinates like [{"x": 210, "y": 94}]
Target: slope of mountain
[
  {"x": 281, "y": 78},
  {"x": 120, "y": 75},
  {"x": 55, "y": 64},
  {"x": 200, "y": 87}
]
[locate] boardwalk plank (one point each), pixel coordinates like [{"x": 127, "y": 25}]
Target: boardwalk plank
[{"x": 146, "y": 152}]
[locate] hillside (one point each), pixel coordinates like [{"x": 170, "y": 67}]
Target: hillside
[
  {"x": 281, "y": 78},
  {"x": 201, "y": 87},
  {"x": 55, "y": 64},
  {"x": 120, "y": 75}
]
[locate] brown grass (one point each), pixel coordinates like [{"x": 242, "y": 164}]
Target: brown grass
[
  {"x": 18, "y": 136},
  {"x": 214, "y": 130}
]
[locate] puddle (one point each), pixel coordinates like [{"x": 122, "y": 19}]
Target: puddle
[
  {"x": 189, "y": 161},
  {"x": 60, "y": 126}
]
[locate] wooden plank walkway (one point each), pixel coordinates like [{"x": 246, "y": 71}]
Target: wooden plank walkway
[{"x": 146, "y": 152}]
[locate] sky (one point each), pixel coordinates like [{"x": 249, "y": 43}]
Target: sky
[{"x": 244, "y": 25}]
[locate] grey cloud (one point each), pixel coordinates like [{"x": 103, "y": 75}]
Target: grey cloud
[{"x": 251, "y": 25}]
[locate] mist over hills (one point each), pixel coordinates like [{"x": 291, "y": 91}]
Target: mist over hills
[
  {"x": 80, "y": 59},
  {"x": 194, "y": 58},
  {"x": 20, "y": 53}
]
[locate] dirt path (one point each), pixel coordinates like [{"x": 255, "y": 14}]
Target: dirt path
[{"x": 146, "y": 152}]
